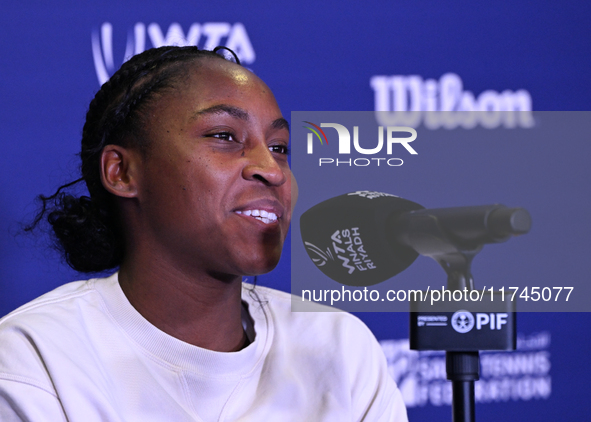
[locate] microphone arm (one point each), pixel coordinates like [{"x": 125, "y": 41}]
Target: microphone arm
[{"x": 453, "y": 236}]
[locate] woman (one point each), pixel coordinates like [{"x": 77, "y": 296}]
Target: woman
[{"x": 185, "y": 157}]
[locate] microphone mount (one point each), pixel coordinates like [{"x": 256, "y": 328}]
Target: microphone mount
[
  {"x": 363, "y": 238},
  {"x": 453, "y": 237}
]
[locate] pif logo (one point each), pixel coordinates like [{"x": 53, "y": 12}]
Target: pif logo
[
  {"x": 344, "y": 144},
  {"x": 463, "y": 321}
]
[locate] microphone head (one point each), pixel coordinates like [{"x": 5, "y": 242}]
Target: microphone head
[
  {"x": 505, "y": 222},
  {"x": 347, "y": 237}
]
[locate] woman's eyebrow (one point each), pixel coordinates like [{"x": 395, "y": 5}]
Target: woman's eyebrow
[
  {"x": 280, "y": 123},
  {"x": 238, "y": 113},
  {"x": 222, "y": 109}
]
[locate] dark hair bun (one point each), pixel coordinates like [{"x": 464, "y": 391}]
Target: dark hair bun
[{"x": 85, "y": 234}]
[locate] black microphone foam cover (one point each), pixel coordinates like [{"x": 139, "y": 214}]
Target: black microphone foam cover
[{"x": 346, "y": 237}]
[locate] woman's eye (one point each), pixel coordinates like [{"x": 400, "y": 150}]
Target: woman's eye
[
  {"x": 227, "y": 136},
  {"x": 279, "y": 149}
]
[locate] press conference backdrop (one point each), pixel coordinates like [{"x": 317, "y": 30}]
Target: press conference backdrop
[{"x": 322, "y": 56}]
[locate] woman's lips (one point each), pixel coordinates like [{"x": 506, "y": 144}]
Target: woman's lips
[{"x": 266, "y": 217}]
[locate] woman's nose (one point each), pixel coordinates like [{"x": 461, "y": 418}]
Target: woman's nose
[{"x": 263, "y": 166}]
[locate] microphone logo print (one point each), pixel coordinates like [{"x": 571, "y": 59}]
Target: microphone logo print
[
  {"x": 344, "y": 145},
  {"x": 322, "y": 257},
  {"x": 348, "y": 247}
]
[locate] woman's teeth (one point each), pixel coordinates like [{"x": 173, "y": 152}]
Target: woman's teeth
[{"x": 262, "y": 215}]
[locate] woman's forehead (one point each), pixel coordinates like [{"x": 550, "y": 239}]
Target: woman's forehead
[
  {"x": 216, "y": 85},
  {"x": 214, "y": 81},
  {"x": 210, "y": 72},
  {"x": 210, "y": 81}
]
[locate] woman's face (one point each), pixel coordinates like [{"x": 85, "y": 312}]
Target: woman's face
[{"x": 215, "y": 187}]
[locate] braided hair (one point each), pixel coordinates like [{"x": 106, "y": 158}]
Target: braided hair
[{"x": 87, "y": 229}]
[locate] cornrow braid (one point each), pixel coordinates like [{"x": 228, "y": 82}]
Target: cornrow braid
[{"x": 87, "y": 229}]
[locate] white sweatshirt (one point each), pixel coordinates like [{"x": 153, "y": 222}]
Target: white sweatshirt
[{"x": 82, "y": 353}]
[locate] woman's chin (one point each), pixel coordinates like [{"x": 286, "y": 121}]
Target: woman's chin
[{"x": 261, "y": 266}]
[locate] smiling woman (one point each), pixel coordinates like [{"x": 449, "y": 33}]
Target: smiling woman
[{"x": 185, "y": 158}]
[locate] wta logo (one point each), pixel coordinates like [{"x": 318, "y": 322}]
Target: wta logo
[
  {"x": 390, "y": 136},
  {"x": 348, "y": 248},
  {"x": 319, "y": 257},
  {"x": 207, "y": 36}
]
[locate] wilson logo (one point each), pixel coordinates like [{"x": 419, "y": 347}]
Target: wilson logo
[{"x": 411, "y": 100}]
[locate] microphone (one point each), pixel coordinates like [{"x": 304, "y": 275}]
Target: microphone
[{"x": 363, "y": 238}]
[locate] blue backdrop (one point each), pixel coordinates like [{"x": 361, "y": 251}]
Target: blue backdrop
[{"x": 316, "y": 56}]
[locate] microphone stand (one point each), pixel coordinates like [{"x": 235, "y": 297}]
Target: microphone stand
[
  {"x": 453, "y": 237},
  {"x": 462, "y": 368},
  {"x": 462, "y": 360}
]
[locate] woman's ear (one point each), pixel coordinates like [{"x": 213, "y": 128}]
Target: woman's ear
[{"x": 119, "y": 171}]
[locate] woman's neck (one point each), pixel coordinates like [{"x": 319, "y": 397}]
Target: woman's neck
[{"x": 198, "y": 309}]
